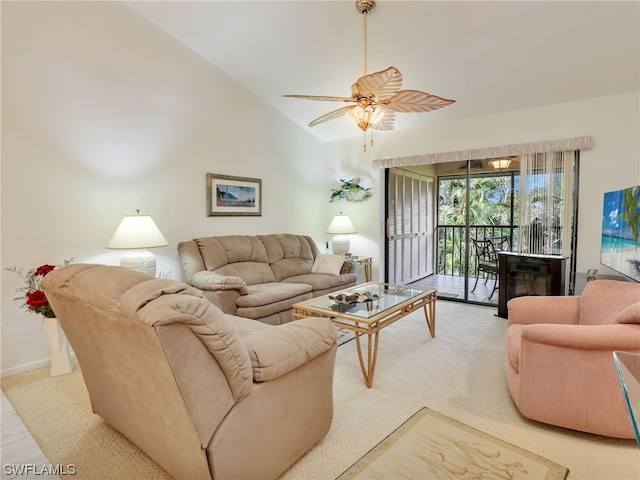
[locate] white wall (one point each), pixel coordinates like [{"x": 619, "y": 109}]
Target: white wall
[
  {"x": 103, "y": 114},
  {"x": 613, "y": 162}
]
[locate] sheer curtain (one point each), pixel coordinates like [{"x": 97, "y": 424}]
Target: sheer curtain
[{"x": 546, "y": 203}]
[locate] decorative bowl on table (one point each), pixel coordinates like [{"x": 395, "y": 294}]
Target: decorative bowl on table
[
  {"x": 399, "y": 289},
  {"x": 346, "y": 301},
  {"x": 342, "y": 307}
]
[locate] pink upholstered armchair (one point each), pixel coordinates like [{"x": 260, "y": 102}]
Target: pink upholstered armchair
[{"x": 560, "y": 367}]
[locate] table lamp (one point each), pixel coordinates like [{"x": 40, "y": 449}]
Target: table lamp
[
  {"x": 341, "y": 226},
  {"x": 136, "y": 233}
]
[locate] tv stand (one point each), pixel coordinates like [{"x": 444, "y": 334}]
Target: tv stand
[{"x": 521, "y": 274}]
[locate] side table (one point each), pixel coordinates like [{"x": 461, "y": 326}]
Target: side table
[
  {"x": 628, "y": 366},
  {"x": 366, "y": 263},
  {"x": 60, "y": 362}
]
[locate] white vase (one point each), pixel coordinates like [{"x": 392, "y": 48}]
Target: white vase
[{"x": 60, "y": 362}]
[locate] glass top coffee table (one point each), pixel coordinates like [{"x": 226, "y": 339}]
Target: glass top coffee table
[{"x": 369, "y": 308}]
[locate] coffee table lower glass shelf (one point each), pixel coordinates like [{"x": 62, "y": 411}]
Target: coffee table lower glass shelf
[{"x": 387, "y": 303}]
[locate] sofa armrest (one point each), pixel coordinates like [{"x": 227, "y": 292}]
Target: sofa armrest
[
  {"x": 584, "y": 337},
  {"x": 283, "y": 348},
  {"x": 349, "y": 266},
  {"x": 550, "y": 309},
  {"x": 206, "y": 280}
]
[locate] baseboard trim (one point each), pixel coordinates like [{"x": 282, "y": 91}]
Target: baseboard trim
[{"x": 30, "y": 366}]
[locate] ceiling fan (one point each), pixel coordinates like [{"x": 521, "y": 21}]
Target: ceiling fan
[{"x": 375, "y": 98}]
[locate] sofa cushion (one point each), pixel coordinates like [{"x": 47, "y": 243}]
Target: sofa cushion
[
  {"x": 331, "y": 264},
  {"x": 269, "y": 298},
  {"x": 290, "y": 267},
  {"x": 289, "y": 254},
  {"x": 251, "y": 272},
  {"x": 602, "y": 300},
  {"x": 236, "y": 255},
  {"x": 631, "y": 314},
  {"x": 271, "y": 313},
  {"x": 266, "y": 293},
  {"x": 323, "y": 281},
  {"x": 248, "y": 326}
]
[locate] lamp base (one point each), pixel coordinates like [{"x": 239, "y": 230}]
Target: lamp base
[
  {"x": 340, "y": 245},
  {"x": 140, "y": 260}
]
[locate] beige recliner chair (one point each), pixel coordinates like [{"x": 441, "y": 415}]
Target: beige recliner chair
[{"x": 204, "y": 394}]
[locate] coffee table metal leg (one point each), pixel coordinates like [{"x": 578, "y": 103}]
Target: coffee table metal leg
[
  {"x": 372, "y": 355},
  {"x": 430, "y": 317}
]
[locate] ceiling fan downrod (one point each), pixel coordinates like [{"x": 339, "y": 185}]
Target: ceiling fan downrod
[{"x": 365, "y": 7}]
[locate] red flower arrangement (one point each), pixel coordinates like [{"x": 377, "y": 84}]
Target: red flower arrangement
[{"x": 33, "y": 297}]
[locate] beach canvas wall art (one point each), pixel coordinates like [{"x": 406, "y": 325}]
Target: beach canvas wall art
[{"x": 620, "y": 247}]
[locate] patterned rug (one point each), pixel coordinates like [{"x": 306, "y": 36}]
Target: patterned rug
[
  {"x": 432, "y": 446},
  {"x": 344, "y": 335}
]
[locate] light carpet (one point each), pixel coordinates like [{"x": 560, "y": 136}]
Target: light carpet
[
  {"x": 57, "y": 412},
  {"x": 430, "y": 445},
  {"x": 460, "y": 374}
]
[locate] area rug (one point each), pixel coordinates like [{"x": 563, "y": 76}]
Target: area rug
[
  {"x": 344, "y": 335},
  {"x": 432, "y": 446}
]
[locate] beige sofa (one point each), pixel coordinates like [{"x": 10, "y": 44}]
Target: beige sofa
[
  {"x": 262, "y": 276},
  {"x": 204, "y": 394}
]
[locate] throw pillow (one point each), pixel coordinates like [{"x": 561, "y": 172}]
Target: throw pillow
[
  {"x": 331, "y": 264},
  {"x": 631, "y": 314}
]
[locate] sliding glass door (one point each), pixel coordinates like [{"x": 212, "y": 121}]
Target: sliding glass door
[
  {"x": 476, "y": 217},
  {"x": 437, "y": 213}
]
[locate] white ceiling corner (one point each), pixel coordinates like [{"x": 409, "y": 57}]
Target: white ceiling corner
[{"x": 491, "y": 57}]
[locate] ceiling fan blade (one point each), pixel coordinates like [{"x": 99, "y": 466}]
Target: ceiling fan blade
[
  {"x": 381, "y": 85},
  {"x": 331, "y": 115},
  {"x": 414, "y": 101},
  {"x": 321, "y": 98},
  {"x": 385, "y": 124}
]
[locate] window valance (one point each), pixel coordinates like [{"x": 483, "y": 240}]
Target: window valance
[{"x": 576, "y": 143}]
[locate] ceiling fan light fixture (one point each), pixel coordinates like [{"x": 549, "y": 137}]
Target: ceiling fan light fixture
[
  {"x": 367, "y": 117},
  {"x": 500, "y": 163}
]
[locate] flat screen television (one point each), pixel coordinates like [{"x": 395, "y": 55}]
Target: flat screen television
[{"x": 620, "y": 247}]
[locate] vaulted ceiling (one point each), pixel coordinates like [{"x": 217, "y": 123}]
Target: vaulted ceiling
[{"x": 491, "y": 57}]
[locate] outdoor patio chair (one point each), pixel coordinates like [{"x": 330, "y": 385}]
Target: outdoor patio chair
[{"x": 486, "y": 262}]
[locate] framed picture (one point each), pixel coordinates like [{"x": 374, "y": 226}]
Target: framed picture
[
  {"x": 233, "y": 196},
  {"x": 620, "y": 244}
]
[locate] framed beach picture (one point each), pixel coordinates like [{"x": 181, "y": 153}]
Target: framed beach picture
[
  {"x": 620, "y": 246},
  {"x": 233, "y": 196}
]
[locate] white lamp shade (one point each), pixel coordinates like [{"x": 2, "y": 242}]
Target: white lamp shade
[
  {"x": 341, "y": 224},
  {"x": 137, "y": 231}
]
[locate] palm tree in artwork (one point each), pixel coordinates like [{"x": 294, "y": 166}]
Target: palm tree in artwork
[{"x": 631, "y": 211}]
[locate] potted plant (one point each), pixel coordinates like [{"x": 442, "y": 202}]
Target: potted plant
[{"x": 35, "y": 300}]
